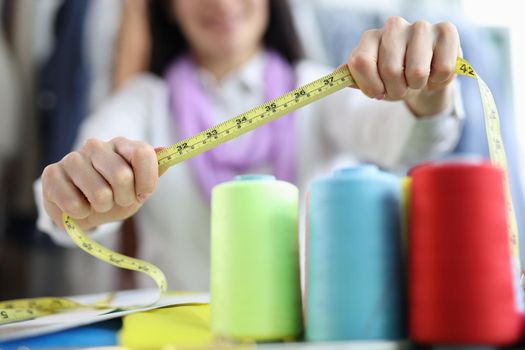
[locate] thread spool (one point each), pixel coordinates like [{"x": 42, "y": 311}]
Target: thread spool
[
  {"x": 255, "y": 286},
  {"x": 461, "y": 288},
  {"x": 354, "y": 284},
  {"x": 405, "y": 198}
]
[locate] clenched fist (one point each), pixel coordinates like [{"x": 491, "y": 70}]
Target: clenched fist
[
  {"x": 413, "y": 62},
  {"x": 101, "y": 182}
]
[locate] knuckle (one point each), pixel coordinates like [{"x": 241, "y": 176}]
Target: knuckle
[
  {"x": 123, "y": 176},
  {"x": 49, "y": 192},
  {"x": 370, "y": 33},
  {"x": 92, "y": 144},
  {"x": 442, "y": 69},
  {"x": 359, "y": 61},
  {"x": 417, "y": 73},
  {"x": 394, "y": 22},
  {"x": 421, "y": 26},
  {"x": 118, "y": 140},
  {"x": 143, "y": 150},
  {"x": 50, "y": 173},
  {"x": 73, "y": 159},
  {"x": 390, "y": 70},
  {"x": 102, "y": 197},
  {"x": 446, "y": 28},
  {"x": 75, "y": 207},
  {"x": 50, "y": 177},
  {"x": 142, "y": 153}
]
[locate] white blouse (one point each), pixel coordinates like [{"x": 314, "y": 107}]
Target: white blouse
[{"x": 174, "y": 226}]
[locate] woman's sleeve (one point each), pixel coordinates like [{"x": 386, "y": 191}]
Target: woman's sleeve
[
  {"x": 123, "y": 114},
  {"x": 387, "y": 133}
]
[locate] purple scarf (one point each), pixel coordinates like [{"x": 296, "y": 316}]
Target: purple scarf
[{"x": 271, "y": 144}]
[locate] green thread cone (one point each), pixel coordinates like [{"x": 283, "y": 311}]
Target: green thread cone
[{"x": 255, "y": 285}]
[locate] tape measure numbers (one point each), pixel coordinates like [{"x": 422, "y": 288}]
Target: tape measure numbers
[
  {"x": 254, "y": 118},
  {"x": 241, "y": 124}
]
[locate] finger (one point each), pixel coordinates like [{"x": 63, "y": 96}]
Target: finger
[
  {"x": 54, "y": 212},
  {"x": 419, "y": 55},
  {"x": 445, "y": 55},
  {"x": 143, "y": 160},
  {"x": 362, "y": 64},
  {"x": 89, "y": 181},
  {"x": 58, "y": 189},
  {"x": 392, "y": 57},
  {"x": 114, "y": 169}
]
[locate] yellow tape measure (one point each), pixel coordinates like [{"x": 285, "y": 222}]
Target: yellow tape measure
[
  {"x": 241, "y": 124},
  {"x": 496, "y": 150},
  {"x": 24, "y": 309},
  {"x": 254, "y": 118},
  {"x": 111, "y": 257}
]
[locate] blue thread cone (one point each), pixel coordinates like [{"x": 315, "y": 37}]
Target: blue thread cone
[{"x": 355, "y": 281}]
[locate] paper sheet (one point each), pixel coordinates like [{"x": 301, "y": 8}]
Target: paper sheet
[{"x": 81, "y": 317}]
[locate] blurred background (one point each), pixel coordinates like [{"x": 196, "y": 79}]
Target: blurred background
[{"x": 59, "y": 59}]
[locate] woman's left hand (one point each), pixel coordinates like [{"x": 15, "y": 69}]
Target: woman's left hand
[{"x": 413, "y": 62}]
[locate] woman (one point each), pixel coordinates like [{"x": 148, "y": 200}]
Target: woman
[{"x": 214, "y": 60}]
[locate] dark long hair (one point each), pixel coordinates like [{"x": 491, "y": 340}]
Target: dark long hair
[{"x": 168, "y": 41}]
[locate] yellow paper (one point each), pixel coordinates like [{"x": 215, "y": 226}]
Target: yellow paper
[{"x": 184, "y": 326}]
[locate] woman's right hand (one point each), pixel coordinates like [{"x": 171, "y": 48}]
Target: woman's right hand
[{"x": 101, "y": 182}]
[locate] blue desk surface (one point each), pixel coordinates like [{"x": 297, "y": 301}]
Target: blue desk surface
[{"x": 99, "y": 334}]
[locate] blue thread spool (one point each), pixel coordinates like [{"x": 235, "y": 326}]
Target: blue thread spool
[{"x": 355, "y": 281}]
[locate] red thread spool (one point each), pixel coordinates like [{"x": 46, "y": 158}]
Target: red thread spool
[{"x": 461, "y": 288}]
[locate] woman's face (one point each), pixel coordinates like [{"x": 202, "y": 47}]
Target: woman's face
[{"x": 221, "y": 28}]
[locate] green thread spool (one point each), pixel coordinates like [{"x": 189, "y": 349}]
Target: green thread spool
[{"x": 255, "y": 283}]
